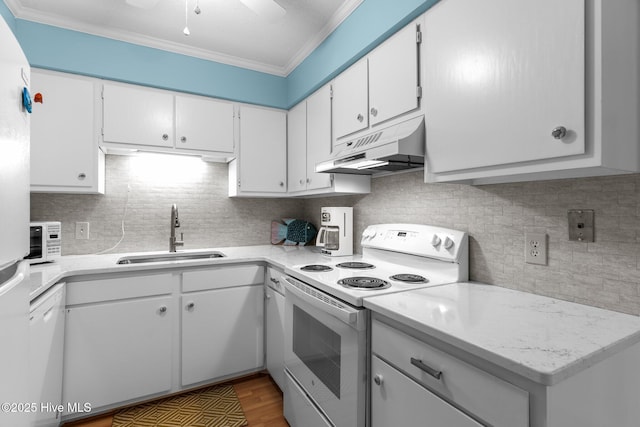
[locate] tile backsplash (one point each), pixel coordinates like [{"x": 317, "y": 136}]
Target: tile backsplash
[
  {"x": 208, "y": 217},
  {"x": 604, "y": 273}
]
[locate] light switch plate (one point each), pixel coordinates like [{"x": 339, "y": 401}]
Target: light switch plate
[
  {"x": 82, "y": 230},
  {"x": 535, "y": 248},
  {"x": 581, "y": 225}
]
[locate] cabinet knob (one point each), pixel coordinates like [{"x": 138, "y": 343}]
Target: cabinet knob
[
  {"x": 308, "y": 180},
  {"x": 378, "y": 379},
  {"x": 183, "y": 139},
  {"x": 82, "y": 176},
  {"x": 301, "y": 181},
  {"x": 191, "y": 305},
  {"x": 281, "y": 184},
  {"x": 165, "y": 137},
  {"x": 360, "y": 118},
  {"x": 559, "y": 132},
  {"x": 162, "y": 309},
  {"x": 267, "y": 296},
  {"x": 374, "y": 112}
]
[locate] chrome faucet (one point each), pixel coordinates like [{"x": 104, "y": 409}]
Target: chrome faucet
[{"x": 175, "y": 223}]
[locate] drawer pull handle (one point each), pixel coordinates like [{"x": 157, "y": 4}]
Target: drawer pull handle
[{"x": 429, "y": 370}]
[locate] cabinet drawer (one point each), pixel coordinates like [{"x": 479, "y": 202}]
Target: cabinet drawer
[
  {"x": 116, "y": 288},
  {"x": 222, "y": 277},
  {"x": 480, "y": 393}
]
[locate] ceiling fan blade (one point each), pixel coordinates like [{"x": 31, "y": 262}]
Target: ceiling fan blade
[
  {"x": 143, "y": 4},
  {"x": 268, "y": 9}
]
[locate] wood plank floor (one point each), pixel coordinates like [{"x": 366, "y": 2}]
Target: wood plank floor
[{"x": 260, "y": 397}]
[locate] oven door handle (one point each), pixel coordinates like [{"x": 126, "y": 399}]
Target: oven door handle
[{"x": 344, "y": 314}]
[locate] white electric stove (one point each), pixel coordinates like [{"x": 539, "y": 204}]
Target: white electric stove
[
  {"x": 326, "y": 323},
  {"x": 395, "y": 257}
]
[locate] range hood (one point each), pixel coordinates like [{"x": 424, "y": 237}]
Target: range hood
[{"x": 395, "y": 148}]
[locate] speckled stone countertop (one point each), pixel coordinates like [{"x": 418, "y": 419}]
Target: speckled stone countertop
[{"x": 543, "y": 339}]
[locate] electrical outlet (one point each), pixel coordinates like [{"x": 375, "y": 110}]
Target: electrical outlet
[
  {"x": 535, "y": 248},
  {"x": 82, "y": 230}
]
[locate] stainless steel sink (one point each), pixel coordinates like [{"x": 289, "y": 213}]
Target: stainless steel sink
[{"x": 173, "y": 256}]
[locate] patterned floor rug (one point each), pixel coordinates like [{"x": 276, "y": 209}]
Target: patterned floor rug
[{"x": 216, "y": 406}]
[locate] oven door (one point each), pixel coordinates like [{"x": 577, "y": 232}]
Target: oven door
[{"x": 325, "y": 352}]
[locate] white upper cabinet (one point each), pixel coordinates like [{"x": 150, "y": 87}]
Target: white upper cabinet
[
  {"x": 518, "y": 90},
  {"x": 319, "y": 138},
  {"x": 156, "y": 120},
  {"x": 204, "y": 124},
  {"x": 350, "y": 100},
  {"x": 65, "y": 157},
  {"x": 138, "y": 116},
  {"x": 297, "y": 147},
  {"x": 394, "y": 86},
  {"x": 309, "y": 143},
  {"x": 261, "y": 166},
  {"x": 379, "y": 87}
]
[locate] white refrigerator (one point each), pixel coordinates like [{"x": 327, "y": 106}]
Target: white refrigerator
[{"x": 14, "y": 232}]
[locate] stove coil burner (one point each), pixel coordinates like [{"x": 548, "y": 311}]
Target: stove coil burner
[
  {"x": 356, "y": 265},
  {"x": 316, "y": 268},
  {"x": 409, "y": 278},
  {"x": 365, "y": 283}
]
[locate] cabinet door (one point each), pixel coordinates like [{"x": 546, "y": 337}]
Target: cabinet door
[
  {"x": 204, "y": 124},
  {"x": 64, "y": 146},
  {"x": 263, "y": 150},
  {"x": 117, "y": 351},
  {"x": 318, "y": 137},
  {"x": 274, "y": 318},
  {"x": 500, "y": 76},
  {"x": 297, "y": 147},
  {"x": 398, "y": 400},
  {"x": 393, "y": 76},
  {"x": 138, "y": 116},
  {"x": 350, "y": 100},
  {"x": 222, "y": 333}
]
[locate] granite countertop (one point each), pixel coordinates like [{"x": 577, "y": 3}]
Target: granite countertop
[
  {"x": 43, "y": 276},
  {"x": 543, "y": 339}
]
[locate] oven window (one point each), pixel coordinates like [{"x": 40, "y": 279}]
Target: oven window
[{"x": 318, "y": 347}]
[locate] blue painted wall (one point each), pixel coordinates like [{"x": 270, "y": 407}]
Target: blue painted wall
[
  {"x": 71, "y": 51},
  {"x": 8, "y": 16}
]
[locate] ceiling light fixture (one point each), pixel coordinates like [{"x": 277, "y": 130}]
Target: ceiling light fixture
[{"x": 186, "y": 31}]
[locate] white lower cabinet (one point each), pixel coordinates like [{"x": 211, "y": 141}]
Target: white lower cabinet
[
  {"x": 222, "y": 333},
  {"x": 274, "y": 304},
  {"x": 136, "y": 337},
  {"x": 421, "y": 381},
  {"x": 117, "y": 351},
  {"x": 398, "y": 400}
]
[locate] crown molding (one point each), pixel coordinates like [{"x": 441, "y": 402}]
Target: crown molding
[{"x": 341, "y": 14}]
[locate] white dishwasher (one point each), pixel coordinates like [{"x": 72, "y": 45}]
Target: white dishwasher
[{"x": 46, "y": 343}]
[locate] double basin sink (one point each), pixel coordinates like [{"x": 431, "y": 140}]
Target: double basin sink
[{"x": 172, "y": 256}]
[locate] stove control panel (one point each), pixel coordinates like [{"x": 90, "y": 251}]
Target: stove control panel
[{"x": 416, "y": 239}]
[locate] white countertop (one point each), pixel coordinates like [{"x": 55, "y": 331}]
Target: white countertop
[
  {"x": 540, "y": 338},
  {"x": 543, "y": 339},
  {"x": 42, "y": 276}
]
